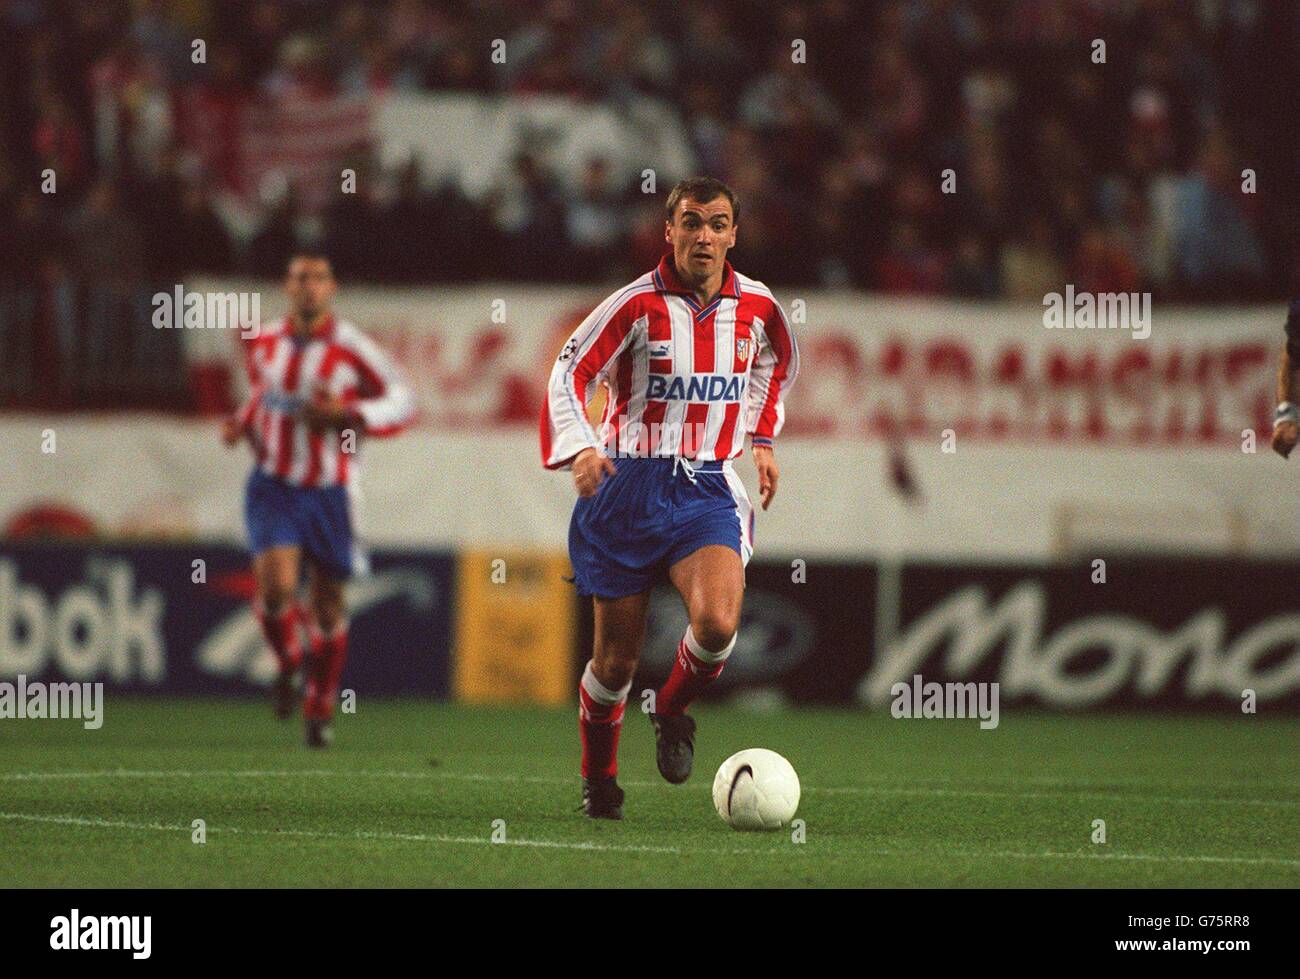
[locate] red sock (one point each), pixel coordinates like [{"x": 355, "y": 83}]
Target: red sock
[
  {"x": 694, "y": 669},
  {"x": 324, "y": 670},
  {"x": 600, "y": 719},
  {"x": 281, "y": 633}
]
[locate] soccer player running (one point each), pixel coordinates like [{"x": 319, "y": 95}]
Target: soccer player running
[
  {"x": 1286, "y": 422},
  {"x": 693, "y": 356},
  {"x": 318, "y": 386}
]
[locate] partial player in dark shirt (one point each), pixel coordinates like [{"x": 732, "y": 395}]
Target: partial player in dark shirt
[{"x": 1286, "y": 423}]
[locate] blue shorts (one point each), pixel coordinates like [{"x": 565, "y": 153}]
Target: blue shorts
[
  {"x": 648, "y": 516},
  {"x": 316, "y": 520}
]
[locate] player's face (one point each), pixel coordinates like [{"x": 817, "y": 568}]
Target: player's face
[
  {"x": 310, "y": 285},
  {"x": 701, "y": 235}
]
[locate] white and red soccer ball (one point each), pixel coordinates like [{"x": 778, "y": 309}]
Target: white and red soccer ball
[{"x": 756, "y": 789}]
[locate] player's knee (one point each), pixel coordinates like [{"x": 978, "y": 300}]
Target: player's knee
[
  {"x": 618, "y": 674},
  {"x": 614, "y": 666},
  {"x": 714, "y": 627}
]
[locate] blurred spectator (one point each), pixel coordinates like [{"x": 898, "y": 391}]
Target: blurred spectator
[
  {"x": 406, "y": 234},
  {"x": 710, "y": 49},
  {"x": 1030, "y": 266},
  {"x": 787, "y": 97},
  {"x": 594, "y": 224},
  {"x": 1102, "y": 263},
  {"x": 133, "y": 110},
  {"x": 197, "y": 236},
  {"x": 107, "y": 253},
  {"x": 27, "y": 243},
  {"x": 285, "y": 230},
  {"x": 60, "y": 145},
  {"x": 624, "y": 53},
  {"x": 909, "y": 266},
  {"x": 528, "y": 209},
  {"x": 1216, "y": 245},
  {"x": 972, "y": 274}
]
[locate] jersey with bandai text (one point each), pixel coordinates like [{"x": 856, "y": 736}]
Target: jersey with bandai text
[
  {"x": 681, "y": 379},
  {"x": 285, "y": 373}
]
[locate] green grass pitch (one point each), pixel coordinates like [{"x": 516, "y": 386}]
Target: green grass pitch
[{"x": 410, "y": 793}]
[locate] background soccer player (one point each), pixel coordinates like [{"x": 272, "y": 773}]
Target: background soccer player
[
  {"x": 694, "y": 356},
  {"x": 1286, "y": 423},
  {"x": 318, "y": 384}
]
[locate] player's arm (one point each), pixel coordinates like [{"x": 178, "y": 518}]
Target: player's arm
[
  {"x": 385, "y": 404},
  {"x": 236, "y": 426},
  {"x": 1286, "y": 423},
  {"x": 776, "y": 363},
  {"x": 567, "y": 438}
]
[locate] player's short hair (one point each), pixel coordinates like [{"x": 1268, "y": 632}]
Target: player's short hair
[
  {"x": 703, "y": 190},
  {"x": 311, "y": 255}
]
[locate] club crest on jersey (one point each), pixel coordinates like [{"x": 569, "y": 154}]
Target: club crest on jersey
[
  {"x": 742, "y": 348},
  {"x": 700, "y": 387}
]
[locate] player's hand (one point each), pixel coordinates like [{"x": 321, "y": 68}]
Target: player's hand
[
  {"x": 589, "y": 470},
  {"x": 328, "y": 412},
  {"x": 231, "y": 431},
  {"x": 768, "y": 473},
  {"x": 1284, "y": 437}
]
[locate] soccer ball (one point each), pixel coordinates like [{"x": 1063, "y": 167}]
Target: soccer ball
[{"x": 756, "y": 789}]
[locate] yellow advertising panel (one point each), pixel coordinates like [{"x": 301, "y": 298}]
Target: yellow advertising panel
[{"x": 514, "y": 628}]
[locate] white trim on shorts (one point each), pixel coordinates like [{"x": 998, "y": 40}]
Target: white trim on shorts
[{"x": 744, "y": 510}]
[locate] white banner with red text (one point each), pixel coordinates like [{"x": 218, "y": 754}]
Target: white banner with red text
[{"x": 871, "y": 367}]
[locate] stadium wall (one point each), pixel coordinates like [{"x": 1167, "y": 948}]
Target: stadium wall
[{"x": 450, "y": 489}]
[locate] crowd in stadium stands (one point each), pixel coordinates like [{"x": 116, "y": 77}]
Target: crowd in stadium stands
[{"x": 1125, "y": 175}]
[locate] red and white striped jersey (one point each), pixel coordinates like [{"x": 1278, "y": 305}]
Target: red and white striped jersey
[
  {"x": 681, "y": 379},
  {"x": 286, "y": 372}
]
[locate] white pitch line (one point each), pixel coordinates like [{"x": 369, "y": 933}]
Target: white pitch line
[
  {"x": 1175, "y": 783},
  {"x": 1283, "y": 861},
  {"x": 920, "y": 790},
  {"x": 64, "y": 820},
  {"x": 321, "y": 834},
  {"x": 1063, "y": 794}
]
